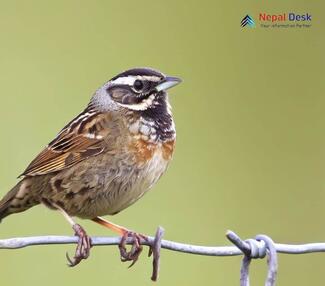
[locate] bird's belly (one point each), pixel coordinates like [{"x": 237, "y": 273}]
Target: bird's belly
[{"x": 129, "y": 186}]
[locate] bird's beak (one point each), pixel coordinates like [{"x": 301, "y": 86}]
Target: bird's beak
[{"x": 168, "y": 82}]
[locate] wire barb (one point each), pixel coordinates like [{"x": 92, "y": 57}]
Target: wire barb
[
  {"x": 272, "y": 260},
  {"x": 155, "y": 250},
  {"x": 256, "y": 248}
]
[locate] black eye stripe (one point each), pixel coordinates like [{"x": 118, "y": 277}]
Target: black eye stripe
[
  {"x": 139, "y": 85},
  {"x": 126, "y": 95}
]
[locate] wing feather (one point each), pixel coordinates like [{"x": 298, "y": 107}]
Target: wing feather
[{"x": 83, "y": 137}]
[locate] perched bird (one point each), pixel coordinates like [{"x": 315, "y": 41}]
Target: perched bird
[{"x": 105, "y": 159}]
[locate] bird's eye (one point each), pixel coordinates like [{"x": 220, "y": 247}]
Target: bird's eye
[{"x": 138, "y": 85}]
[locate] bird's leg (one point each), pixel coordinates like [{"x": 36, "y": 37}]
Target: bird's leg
[
  {"x": 84, "y": 242},
  {"x": 136, "y": 249},
  {"x": 112, "y": 226}
]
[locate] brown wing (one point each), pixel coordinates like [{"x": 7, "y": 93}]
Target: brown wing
[{"x": 81, "y": 138}]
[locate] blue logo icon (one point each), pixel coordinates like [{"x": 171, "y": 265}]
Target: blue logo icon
[{"x": 247, "y": 21}]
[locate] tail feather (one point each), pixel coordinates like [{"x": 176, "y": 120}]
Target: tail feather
[
  {"x": 6, "y": 200},
  {"x": 18, "y": 199}
]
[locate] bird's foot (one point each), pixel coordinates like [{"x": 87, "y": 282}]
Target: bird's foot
[
  {"x": 136, "y": 248},
  {"x": 83, "y": 247}
]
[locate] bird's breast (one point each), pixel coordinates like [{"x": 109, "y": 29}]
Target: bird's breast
[
  {"x": 146, "y": 152},
  {"x": 150, "y": 162}
]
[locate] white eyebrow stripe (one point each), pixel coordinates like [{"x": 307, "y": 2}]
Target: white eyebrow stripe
[
  {"x": 129, "y": 80},
  {"x": 125, "y": 80}
]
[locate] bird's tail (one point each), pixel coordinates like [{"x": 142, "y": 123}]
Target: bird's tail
[{"x": 18, "y": 199}]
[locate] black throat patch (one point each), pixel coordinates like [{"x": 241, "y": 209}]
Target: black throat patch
[{"x": 163, "y": 121}]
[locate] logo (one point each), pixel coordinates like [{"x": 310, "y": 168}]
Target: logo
[
  {"x": 247, "y": 21},
  {"x": 278, "y": 20},
  {"x": 285, "y": 17}
]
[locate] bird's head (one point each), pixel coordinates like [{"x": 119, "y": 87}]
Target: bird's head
[{"x": 137, "y": 89}]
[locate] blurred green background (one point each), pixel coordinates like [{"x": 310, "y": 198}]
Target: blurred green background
[{"x": 250, "y": 117}]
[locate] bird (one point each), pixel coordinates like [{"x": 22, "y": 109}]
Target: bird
[{"x": 105, "y": 159}]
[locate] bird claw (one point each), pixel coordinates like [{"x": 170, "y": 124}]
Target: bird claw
[
  {"x": 83, "y": 247},
  {"x": 136, "y": 248}
]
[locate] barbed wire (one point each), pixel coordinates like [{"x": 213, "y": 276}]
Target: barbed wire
[{"x": 259, "y": 247}]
